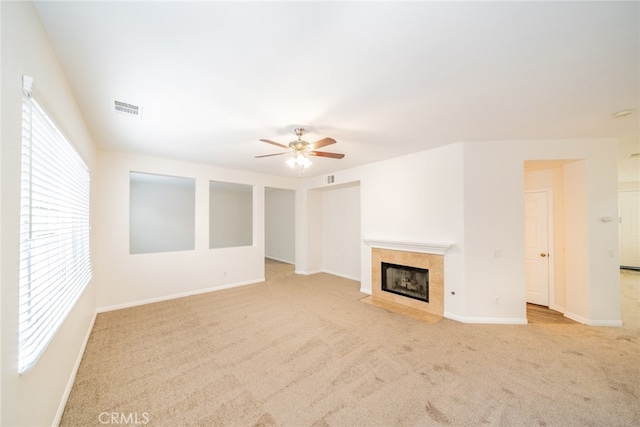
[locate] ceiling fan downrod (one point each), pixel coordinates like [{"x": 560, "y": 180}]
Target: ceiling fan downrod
[{"x": 299, "y": 146}]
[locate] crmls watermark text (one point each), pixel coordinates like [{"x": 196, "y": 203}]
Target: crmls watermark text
[{"x": 126, "y": 418}]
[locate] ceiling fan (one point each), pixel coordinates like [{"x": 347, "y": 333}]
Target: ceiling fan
[{"x": 301, "y": 150}]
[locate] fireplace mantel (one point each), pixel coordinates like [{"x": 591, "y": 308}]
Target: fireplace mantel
[{"x": 437, "y": 248}]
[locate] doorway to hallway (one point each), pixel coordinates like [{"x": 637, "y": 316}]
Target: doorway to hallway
[{"x": 555, "y": 224}]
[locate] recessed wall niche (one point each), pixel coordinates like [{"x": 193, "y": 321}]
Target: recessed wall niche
[
  {"x": 161, "y": 213},
  {"x": 230, "y": 215}
]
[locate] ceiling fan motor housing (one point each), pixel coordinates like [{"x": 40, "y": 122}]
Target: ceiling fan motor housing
[{"x": 298, "y": 145}]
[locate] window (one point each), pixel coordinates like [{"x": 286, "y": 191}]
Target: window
[{"x": 55, "y": 263}]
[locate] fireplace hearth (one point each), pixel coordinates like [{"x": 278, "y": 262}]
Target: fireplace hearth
[{"x": 411, "y": 282}]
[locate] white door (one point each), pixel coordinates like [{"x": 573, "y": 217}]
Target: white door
[
  {"x": 629, "y": 228},
  {"x": 537, "y": 247}
]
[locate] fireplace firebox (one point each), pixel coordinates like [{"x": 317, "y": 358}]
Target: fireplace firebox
[{"x": 412, "y": 282}]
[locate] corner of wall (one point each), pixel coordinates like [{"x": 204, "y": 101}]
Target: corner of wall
[{"x": 74, "y": 372}]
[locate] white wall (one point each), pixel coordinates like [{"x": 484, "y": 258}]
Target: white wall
[
  {"x": 123, "y": 279},
  {"x": 309, "y": 232},
  {"x": 629, "y": 186},
  {"x": 34, "y": 398},
  {"x": 280, "y": 225},
  {"x": 577, "y": 248},
  {"x": 341, "y": 231},
  {"x": 418, "y": 198},
  {"x": 472, "y": 195},
  {"x": 603, "y": 255}
]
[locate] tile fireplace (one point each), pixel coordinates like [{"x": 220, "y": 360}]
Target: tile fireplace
[{"x": 413, "y": 274}]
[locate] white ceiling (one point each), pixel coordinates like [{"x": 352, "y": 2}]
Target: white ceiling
[{"x": 382, "y": 78}]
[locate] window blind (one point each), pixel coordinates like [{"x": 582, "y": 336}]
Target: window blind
[{"x": 55, "y": 263}]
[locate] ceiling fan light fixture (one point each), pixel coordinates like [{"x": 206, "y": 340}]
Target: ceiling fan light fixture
[
  {"x": 300, "y": 160},
  {"x": 301, "y": 150}
]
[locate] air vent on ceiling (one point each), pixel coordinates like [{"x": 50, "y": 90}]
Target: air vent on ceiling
[
  {"x": 127, "y": 109},
  {"x": 331, "y": 179},
  {"x": 633, "y": 156}
]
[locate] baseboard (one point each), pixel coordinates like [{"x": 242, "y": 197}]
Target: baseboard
[
  {"x": 365, "y": 291},
  {"x": 576, "y": 317},
  {"x": 344, "y": 276},
  {"x": 612, "y": 323},
  {"x": 74, "y": 371},
  {"x": 589, "y": 322},
  {"x": 487, "y": 320},
  {"x": 286, "y": 261},
  {"x": 333, "y": 273},
  {"x": 558, "y": 308},
  {"x": 309, "y": 273},
  {"x": 174, "y": 296}
]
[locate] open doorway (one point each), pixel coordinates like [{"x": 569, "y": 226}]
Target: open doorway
[
  {"x": 555, "y": 229},
  {"x": 279, "y": 229}
]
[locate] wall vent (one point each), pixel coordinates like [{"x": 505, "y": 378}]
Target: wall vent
[
  {"x": 331, "y": 179},
  {"x": 633, "y": 156},
  {"x": 127, "y": 109}
]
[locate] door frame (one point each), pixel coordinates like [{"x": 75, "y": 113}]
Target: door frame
[
  {"x": 621, "y": 220},
  {"x": 551, "y": 245}
]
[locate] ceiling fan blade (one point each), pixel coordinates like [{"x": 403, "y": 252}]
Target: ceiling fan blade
[
  {"x": 326, "y": 154},
  {"x": 322, "y": 143},
  {"x": 274, "y": 143},
  {"x": 269, "y": 155}
]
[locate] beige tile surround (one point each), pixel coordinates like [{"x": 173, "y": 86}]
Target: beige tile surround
[{"x": 435, "y": 265}]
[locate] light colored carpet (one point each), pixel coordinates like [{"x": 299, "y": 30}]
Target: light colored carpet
[{"x": 304, "y": 351}]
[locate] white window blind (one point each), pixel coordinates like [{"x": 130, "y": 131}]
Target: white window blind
[{"x": 55, "y": 263}]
